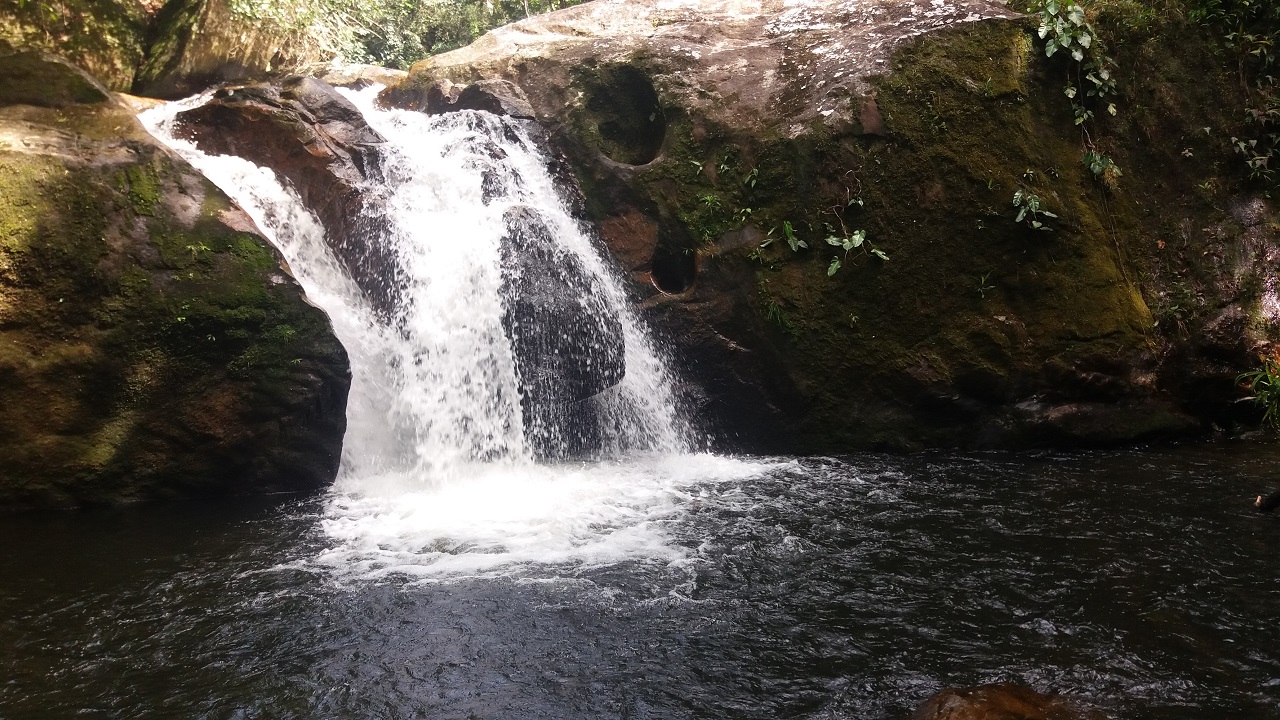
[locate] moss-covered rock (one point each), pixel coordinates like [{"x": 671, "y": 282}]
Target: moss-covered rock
[
  {"x": 780, "y": 125},
  {"x": 108, "y": 38},
  {"x": 150, "y": 343},
  {"x": 199, "y": 43}
]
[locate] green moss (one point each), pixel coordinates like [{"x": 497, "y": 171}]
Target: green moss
[
  {"x": 105, "y": 37},
  {"x": 250, "y": 249},
  {"x": 143, "y": 188},
  {"x": 972, "y": 114},
  {"x": 23, "y": 200}
]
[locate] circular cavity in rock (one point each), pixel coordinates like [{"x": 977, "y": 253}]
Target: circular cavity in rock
[
  {"x": 624, "y": 106},
  {"x": 674, "y": 273}
]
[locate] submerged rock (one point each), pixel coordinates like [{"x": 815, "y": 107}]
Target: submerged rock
[
  {"x": 1004, "y": 701},
  {"x": 726, "y": 149},
  {"x": 151, "y": 345}
]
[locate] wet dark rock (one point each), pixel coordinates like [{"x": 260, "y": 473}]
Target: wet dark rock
[
  {"x": 568, "y": 346},
  {"x": 1004, "y": 701},
  {"x": 320, "y": 144},
  {"x": 151, "y": 344},
  {"x": 498, "y": 97}
]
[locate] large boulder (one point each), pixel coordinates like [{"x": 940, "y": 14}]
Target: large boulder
[
  {"x": 722, "y": 144},
  {"x": 151, "y": 345},
  {"x": 319, "y": 143}
]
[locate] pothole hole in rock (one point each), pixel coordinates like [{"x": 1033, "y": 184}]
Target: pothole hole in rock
[
  {"x": 624, "y": 106},
  {"x": 674, "y": 273}
]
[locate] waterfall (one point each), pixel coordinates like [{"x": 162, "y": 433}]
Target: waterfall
[{"x": 456, "y": 446}]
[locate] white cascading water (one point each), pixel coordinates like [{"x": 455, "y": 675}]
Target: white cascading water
[{"x": 438, "y": 476}]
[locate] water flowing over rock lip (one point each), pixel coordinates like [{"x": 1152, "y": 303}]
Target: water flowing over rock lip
[{"x": 804, "y": 60}]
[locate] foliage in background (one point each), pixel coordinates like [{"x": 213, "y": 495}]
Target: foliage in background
[
  {"x": 397, "y": 33},
  {"x": 1249, "y": 31}
]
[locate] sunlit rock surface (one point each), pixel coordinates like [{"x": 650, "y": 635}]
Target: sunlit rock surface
[
  {"x": 749, "y": 62},
  {"x": 712, "y": 137}
]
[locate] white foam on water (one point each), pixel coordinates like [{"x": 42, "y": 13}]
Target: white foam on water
[{"x": 437, "y": 476}]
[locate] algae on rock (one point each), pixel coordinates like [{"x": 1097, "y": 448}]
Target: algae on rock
[{"x": 150, "y": 344}]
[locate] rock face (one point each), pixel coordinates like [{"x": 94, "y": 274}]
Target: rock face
[
  {"x": 999, "y": 702},
  {"x": 321, "y": 145},
  {"x": 711, "y": 136},
  {"x": 150, "y": 343},
  {"x": 200, "y": 43},
  {"x": 108, "y": 38},
  {"x": 169, "y": 49}
]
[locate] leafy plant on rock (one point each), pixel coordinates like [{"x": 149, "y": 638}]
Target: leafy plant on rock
[
  {"x": 1104, "y": 169},
  {"x": 1030, "y": 210},
  {"x": 1264, "y": 383}
]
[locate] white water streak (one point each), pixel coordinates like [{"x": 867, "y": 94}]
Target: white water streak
[{"x": 437, "y": 477}]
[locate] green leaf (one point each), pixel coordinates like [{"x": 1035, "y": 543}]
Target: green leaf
[
  {"x": 1111, "y": 108},
  {"x": 833, "y": 240},
  {"x": 879, "y": 253},
  {"x": 834, "y": 266},
  {"x": 1085, "y": 39},
  {"x": 1050, "y": 48},
  {"x": 1022, "y": 214},
  {"x": 1076, "y": 14},
  {"x": 855, "y": 240},
  {"x": 1070, "y": 91},
  {"x": 1046, "y": 213},
  {"x": 1077, "y": 54}
]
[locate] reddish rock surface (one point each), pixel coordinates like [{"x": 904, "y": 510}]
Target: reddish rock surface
[{"x": 1000, "y": 702}]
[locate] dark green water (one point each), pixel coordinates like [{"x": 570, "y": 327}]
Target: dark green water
[{"x": 1140, "y": 581}]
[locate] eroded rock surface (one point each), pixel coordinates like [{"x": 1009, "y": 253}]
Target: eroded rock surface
[
  {"x": 150, "y": 343},
  {"x": 749, "y": 63},
  {"x": 710, "y": 137}
]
